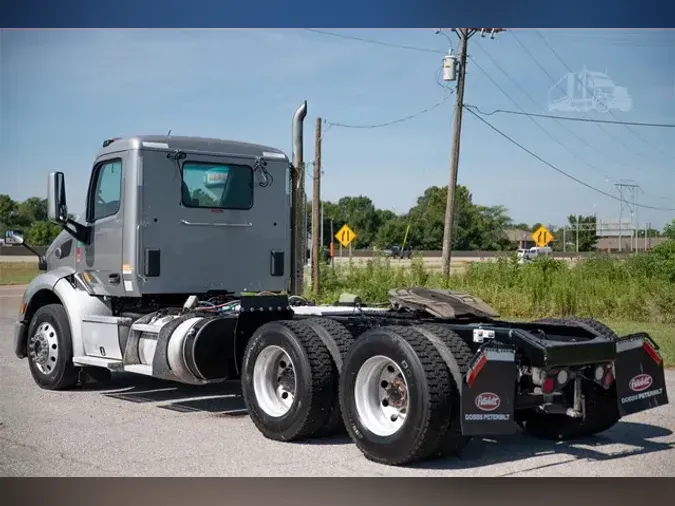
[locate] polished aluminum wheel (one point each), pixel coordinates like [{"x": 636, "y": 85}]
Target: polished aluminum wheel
[
  {"x": 381, "y": 396},
  {"x": 43, "y": 348},
  {"x": 274, "y": 381}
]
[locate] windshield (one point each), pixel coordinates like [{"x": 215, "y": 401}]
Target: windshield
[{"x": 217, "y": 186}]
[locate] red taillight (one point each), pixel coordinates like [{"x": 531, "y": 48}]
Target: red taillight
[
  {"x": 548, "y": 385},
  {"x": 473, "y": 373},
  {"x": 607, "y": 380},
  {"x": 651, "y": 352}
]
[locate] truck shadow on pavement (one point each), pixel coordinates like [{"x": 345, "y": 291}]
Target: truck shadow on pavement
[
  {"x": 221, "y": 399},
  {"x": 631, "y": 438},
  {"x": 225, "y": 400}
]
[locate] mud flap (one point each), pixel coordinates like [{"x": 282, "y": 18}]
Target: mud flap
[
  {"x": 640, "y": 380},
  {"x": 488, "y": 394}
]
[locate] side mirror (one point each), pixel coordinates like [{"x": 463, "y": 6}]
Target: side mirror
[
  {"x": 57, "y": 208},
  {"x": 12, "y": 237}
]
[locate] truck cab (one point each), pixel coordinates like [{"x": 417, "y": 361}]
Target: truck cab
[
  {"x": 166, "y": 217},
  {"x": 181, "y": 215}
]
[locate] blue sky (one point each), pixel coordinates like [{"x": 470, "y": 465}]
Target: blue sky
[{"x": 63, "y": 92}]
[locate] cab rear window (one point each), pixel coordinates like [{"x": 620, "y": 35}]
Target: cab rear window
[{"x": 217, "y": 186}]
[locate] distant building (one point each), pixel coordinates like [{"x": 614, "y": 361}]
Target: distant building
[
  {"x": 611, "y": 244},
  {"x": 523, "y": 238}
]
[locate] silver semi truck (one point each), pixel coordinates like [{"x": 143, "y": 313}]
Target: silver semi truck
[{"x": 181, "y": 269}]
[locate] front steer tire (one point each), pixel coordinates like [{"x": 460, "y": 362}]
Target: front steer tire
[
  {"x": 311, "y": 381},
  {"x": 50, "y": 349},
  {"x": 602, "y": 409},
  {"x": 429, "y": 392}
]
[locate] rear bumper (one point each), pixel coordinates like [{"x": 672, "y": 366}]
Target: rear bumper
[
  {"x": 550, "y": 353},
  {"x": 20, "y": 339},
  {"x": 490, "y": 397}
]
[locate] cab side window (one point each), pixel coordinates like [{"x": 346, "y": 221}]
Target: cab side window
[{"x": 106, "y": 192}]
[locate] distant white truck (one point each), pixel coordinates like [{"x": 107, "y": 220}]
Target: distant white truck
[{"x": 528, "y": 255}]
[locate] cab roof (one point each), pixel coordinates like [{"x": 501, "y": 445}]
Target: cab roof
[{"x": 186, "y": 143}]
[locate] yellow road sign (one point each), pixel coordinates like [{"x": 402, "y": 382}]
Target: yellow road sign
[
  {"x": 542, "y": 236},
  {"x": 345, "y": 235}
]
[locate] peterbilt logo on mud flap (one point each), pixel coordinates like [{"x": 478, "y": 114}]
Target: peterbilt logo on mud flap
[
  {"x": 487, "y": 401},
  {"x": 640, "y": 382}
]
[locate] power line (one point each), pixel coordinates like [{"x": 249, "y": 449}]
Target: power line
[
  {"x": 566, "y": 148},
  {"x": 588, "y": 118},
  {"x": 510, "y": 139},
  {"x": 631, "y": 39},
  {"x": 583, "y": 120},
  {"x": 388, "y": 123},
  {"x": 587, "y": 89},
  {"x": 373, "y": 41},
  {"x": 435, "y": 51},
  {"x": 581, "y": 139}
]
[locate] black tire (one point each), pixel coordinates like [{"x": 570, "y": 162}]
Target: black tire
[
  {"x": 429, "y": 388},
  {"x": 315, "y": 381},
  {"x": 452, "y": 442},
  {"x": 59, "y": 372},
  {"x": 340, "y": 340},
  {"x": 602, "y": 408}
]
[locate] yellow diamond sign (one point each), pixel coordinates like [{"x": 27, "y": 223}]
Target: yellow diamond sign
[
  {"x": 345, "y": 235},
  {"x": 542, "y": 236}
]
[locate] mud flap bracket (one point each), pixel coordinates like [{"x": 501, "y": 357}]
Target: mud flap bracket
[
  {"x": 488, "y": 394},
  {"x": 640, "y": 379}
]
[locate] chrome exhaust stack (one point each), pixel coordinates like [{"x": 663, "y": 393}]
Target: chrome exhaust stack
[{"x": 298, "y": 247}]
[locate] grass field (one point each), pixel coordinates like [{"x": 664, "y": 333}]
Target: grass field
[
  {"x": 632, "y": 294},
  {"x": 17, "y": 273}
]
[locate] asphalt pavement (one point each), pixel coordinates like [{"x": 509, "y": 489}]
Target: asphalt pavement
[{"x": 137, "y": 426}]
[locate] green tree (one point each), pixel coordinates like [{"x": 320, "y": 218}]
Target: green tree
[
  {"x": 392, "y": 232},
  {"x": 33, "y": 209},
  {"x": 587, "y": 231},
  {"x": 650, "y": 232},
  {"x": 42, "y": 233},
  {"x": 8, "y": 211},
  {"x": 476, "y": 227},
  {"x": 669, "y": 230}
]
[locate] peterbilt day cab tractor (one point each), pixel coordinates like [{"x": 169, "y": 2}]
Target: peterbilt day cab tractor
[{"x": 180, "y": 270}]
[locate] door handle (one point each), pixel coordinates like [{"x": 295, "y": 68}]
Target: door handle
[{"x": 114, "y": 279}]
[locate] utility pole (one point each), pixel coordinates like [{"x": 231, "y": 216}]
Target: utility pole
[
  {"x": 628, "y": 192},
  {"x": 464, "y": 35},
  {"x": 316, "y": 209}
]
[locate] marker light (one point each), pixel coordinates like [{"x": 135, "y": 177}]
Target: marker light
[
  {"x": 562, "y": 377},
  {"x": 599, "y": 373}
]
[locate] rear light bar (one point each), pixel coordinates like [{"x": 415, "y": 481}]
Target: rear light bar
[
  {"x": 475, "y": 370},
  {"x": 649, "y": 349}
]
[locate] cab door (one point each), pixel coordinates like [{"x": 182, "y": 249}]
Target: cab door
[{"x": 101, "y": 259}]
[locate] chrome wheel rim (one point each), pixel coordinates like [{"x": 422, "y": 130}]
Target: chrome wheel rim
[
  {"x": 274, "y": 381},
  {"x": 43, "y": 348},
  {"x": 381, "y": 396}
]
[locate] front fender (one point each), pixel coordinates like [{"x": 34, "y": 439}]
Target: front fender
[
  {"x": 44, "y": 281},
  {"x": 40, "y": 291}
]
